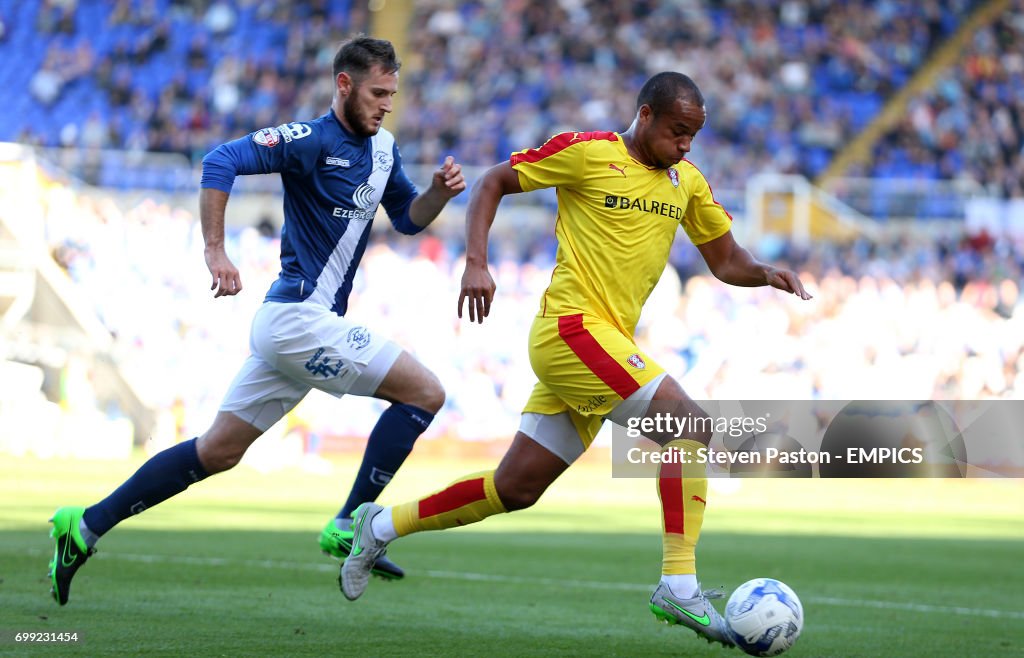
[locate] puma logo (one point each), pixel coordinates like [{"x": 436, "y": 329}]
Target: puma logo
[
  {"x": 699, "y": 500},
  {"x": 621, "y": 170},
  {"x": 575, "y": 138}
]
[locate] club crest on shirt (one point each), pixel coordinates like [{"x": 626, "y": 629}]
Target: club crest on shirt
[
  {"x": 364, "y": 196},
  {"x": 383, "y": 160},
  {"x": 358, "y": 337},
  {"x": 673, "y": 176},
  {"x": 635, "y": 361},
  {"x": 269, "y": 137}
]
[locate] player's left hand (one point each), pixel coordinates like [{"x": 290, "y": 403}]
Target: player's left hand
[
  {"x": 786, "y": 280},
  {"x": 477, "y": 287},
  {"x": 448, "y": 180}
]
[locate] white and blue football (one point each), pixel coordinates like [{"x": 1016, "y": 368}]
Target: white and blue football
[{"x": 764, "y": 616}]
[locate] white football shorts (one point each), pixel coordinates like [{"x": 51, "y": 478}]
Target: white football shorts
[{"x": 297, "y": 347}]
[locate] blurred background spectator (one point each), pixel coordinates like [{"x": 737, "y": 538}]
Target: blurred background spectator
[
  {"x": 788, "y": 82},
  {"x": 906, "y": 318},
  {"x": 918, "y": 312},
  {"x": 971, "y": 124}
]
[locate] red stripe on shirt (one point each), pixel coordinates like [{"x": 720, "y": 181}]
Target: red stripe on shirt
[
  {"x": 558, "y": 143},
  {"x": 458, "y": 495},
  {"x": 670, "y": 485},
  {"x": 590, "y": 352}
]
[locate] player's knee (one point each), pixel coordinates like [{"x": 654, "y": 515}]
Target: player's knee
[
  {"x": 433, "y": 396},
  {"x": 229, "y": 460},
  {"x": 699, "y": 425},
  {"x": 429, "y": 396},
  {"x": 219, "y": 456},
  {"x": 220, "y": 462},
  {"x": 704, "y": 429},
  {"x": 518, "y": 495},
  {"x": 699, "y": 429}
]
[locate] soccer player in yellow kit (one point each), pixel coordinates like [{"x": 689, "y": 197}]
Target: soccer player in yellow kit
[{"x": 621, "y": 199}]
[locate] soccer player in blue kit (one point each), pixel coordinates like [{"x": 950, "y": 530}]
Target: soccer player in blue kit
[{"x": 336, "y": 170}]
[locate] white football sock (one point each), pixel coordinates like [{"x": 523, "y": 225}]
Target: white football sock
[
  {"x": 685, "y": 586},
  {"x": 383, "y": 526},
  {"x": 88, "y": 535}
]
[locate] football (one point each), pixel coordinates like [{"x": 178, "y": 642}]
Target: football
[{"x": 764, "y": 616}]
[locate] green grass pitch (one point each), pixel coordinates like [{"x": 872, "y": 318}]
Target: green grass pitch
[{"x": 231, "y": 567}]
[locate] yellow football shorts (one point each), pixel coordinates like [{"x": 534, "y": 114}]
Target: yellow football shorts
[{"x": 586, "y": 367}]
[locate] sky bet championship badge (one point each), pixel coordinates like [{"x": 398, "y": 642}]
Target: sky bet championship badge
[{"x": 268, "y": 137}]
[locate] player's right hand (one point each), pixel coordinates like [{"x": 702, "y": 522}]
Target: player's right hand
[
  {"x": 478, "y": 288},
  {"x": 226, "y": 280},
  {"x": 788, "y": 281}
]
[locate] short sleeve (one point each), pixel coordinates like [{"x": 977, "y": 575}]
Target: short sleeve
[
  {"x": 560, "y": 162},
  {"x": 398, "y": 197},
  {"x": 291, "y": 148},
  {"x": 705, "y": 219}
]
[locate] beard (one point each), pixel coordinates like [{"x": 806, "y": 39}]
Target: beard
[{"x": 355, "y": 119}]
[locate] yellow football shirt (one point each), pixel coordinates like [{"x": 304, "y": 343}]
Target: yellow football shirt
[{"x": 616, "y": 222}]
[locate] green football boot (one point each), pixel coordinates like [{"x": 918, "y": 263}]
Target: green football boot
[{"x": 69, "y": 553}]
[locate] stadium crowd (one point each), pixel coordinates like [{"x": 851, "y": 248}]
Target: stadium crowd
[
  {"x": 788, "y": 82},
  {"x": 902, "y": 319},
  {"x": 166, "y": 75},
  {"x": 972, "y": 122}
]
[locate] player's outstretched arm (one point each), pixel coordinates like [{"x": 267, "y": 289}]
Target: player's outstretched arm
[
  {"x": 446, "y": 184},
  {"x": 733, "y": 264},
  {"x": 226, "y": 280},
  {"x": 477, "y": 284}
]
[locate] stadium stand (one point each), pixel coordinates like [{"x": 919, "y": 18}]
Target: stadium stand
[
  {"x": 163, "y": 75},
  {"x": 788, "y": 83},
  {"x": 971, "y": 122}
]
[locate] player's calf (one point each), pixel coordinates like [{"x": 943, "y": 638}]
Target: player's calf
[{"x": 222, "y": 447}]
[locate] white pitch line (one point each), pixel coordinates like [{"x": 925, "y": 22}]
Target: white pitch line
[
  {"x": 919, "y": 607},
  {"x": 632, "y": 587},
  {"x": 553, "y": 582}
]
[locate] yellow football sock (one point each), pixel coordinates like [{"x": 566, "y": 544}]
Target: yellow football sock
[
  {"x": 683, "y": 490},
  {"x": 468, "y": 500}
]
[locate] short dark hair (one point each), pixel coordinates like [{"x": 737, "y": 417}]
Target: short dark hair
[
  {"x": 361, "y": 53},
  {"x": 662, "y": 90}
]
